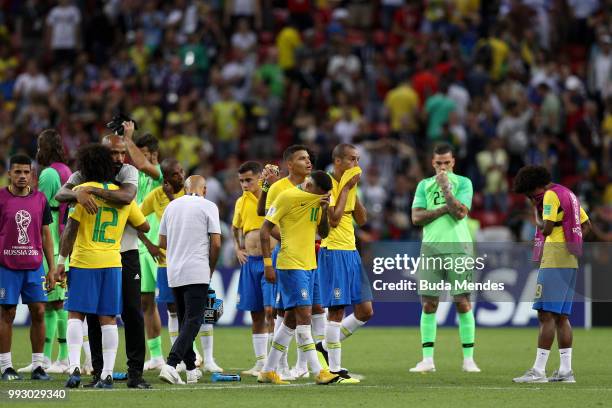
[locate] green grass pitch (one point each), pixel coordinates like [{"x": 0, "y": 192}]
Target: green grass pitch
[{"x": 383, "y": 356}]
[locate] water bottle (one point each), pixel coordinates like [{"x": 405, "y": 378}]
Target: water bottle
[{"x": 225, "y": 377}]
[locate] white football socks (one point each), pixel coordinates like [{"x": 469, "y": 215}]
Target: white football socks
[
  {"x": 260, "y": 346},
  {"x": 206, "y": 340},
  {"x": 541, "y": 359},
  {"x": 5, "y": 361},
  {"x": 74, "y": 338},
  {"x": 173, "y": 327},
  {"x": 334, "y": 346},
  {"x": 349, "y": 325},
  {"x": 565, "y": 357},
  {"x": 282, "y": 338},
  {"x": 110, "y": 343},
  {"x": 306, "y": 344}
]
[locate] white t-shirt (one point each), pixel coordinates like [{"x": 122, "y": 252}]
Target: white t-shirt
[
  {"x": 128, "y": 174},
  {"x": 186, "y": 224},
  {"x": 27, "y": 84},
  {"x": 64, "y": 22}
]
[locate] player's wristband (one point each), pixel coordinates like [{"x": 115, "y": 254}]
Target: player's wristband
[
  {"x": 265, "y": 187},
  {"x": 61, "y": 260},
  {"x": 267, "y": 261}
]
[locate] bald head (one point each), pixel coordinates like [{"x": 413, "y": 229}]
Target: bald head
[
  {"x": 118, "y": 149},
  {"x": 112, "y": 140},
  {"x": 195, "y": 185}
]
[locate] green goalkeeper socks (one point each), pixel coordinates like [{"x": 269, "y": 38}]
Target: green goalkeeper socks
[
  {"x": 155, "y": 347},
  {"x": 51, "y": 327},
  {"x": 428, "y": 333},
  {"x": 62, "y": 325},
  {"x": 467, "y": 333}
]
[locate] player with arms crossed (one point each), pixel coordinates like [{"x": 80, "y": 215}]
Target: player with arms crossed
[
  {"x": 255, "y": 294},
  {"x": 25, "y": 235},
  {"x": 93, "y": 242},
  {"x": 340, "y": 272},
  {"x": 299, "y": 214},
  {"x": 440, "y": 206},
  {"x": 561, "y": 223}
]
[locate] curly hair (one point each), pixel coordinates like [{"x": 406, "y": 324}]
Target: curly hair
[
  {"x": 529, "y": 178},
  {"x": 50, "y": 148},
  {"x": 95, "y": 163}
]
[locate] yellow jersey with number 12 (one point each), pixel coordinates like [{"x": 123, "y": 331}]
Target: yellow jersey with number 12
[
  {"x": 98, "y": 240},
  {"x": 297, "y": 214}
]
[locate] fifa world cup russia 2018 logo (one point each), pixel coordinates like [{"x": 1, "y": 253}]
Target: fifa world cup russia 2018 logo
[{"x": 23, "y": 219}]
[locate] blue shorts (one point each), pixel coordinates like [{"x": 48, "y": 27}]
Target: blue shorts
[
  {"x": 254, "y": 292},
  {"x": 95, "y": 291},
  {"x": 555, "y": 290},
  {"x": 280, "y": 304},
  {"x": 164, "y": 292},
  {"x": 278, "y": 301},
  {"x": 296, "y": 287},
  {"x": 30, "y": 284},
  {"x": 342, "y": 278}
]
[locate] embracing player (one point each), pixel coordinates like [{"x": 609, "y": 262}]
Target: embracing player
[
  {"x": 95, "y": 276},
  {"x": 561, "y": 223},
  {"x": 441, "y": 205}
]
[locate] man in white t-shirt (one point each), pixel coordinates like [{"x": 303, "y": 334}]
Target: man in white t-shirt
[
  {"x": 190, "y": 232},
  {"x": 64, "y": 31}
]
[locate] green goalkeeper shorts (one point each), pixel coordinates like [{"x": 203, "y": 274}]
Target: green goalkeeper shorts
[
  {"x": 58, "y": 293},
  {"x": 148, "y": 272},
  {"x": 445, "y": 272}
]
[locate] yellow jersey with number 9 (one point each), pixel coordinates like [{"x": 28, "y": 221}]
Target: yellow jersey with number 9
[
  {"x": 98, "y": 240},
  {"x": 297, "y": 214}
]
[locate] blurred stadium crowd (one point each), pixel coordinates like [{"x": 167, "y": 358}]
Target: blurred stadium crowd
[{"x": 507, "y": 82}]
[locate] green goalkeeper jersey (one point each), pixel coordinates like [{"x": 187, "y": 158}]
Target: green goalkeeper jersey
[
  {"x": 146, "y": 184},
  {"x": 49, "y": 184},
  {"x": 453, "y": 235}
]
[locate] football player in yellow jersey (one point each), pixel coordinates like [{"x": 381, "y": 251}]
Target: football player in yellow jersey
[
  {"x": 299, "y": 213},
  {"x": 299, "y": 165},
  {"x": 255, "y": 294},
  {"x": 94, "y": 279},
  {"x": 341, "y": 276},
  {"x": 561, "y": 225}
]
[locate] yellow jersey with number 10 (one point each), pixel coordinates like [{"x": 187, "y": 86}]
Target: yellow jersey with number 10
[
  {"x": 98, "y": 240},
  {"x": 297, "y": 214}
]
